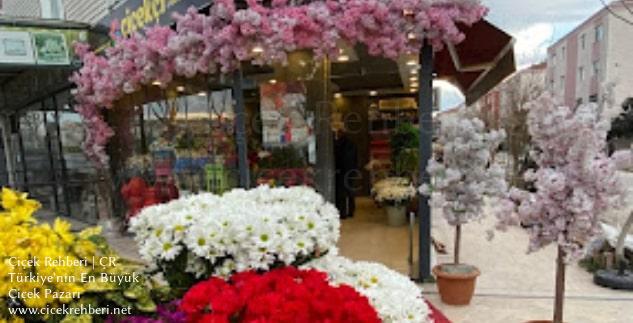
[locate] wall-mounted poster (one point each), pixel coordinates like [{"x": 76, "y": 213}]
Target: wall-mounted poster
[
  {"x": 16, "y": 47},
  {"x": 50, "y": 48},
  {"x": 284, "y": 117}
]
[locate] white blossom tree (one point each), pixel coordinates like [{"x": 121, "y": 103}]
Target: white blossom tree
[
  {"x": 466, "y": 174},
  {"x": 575, "y": 183}
]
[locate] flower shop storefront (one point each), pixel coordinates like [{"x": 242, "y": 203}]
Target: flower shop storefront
[
  {"x": 188, "y": 120},
  {"x": 244, "y": 95}
]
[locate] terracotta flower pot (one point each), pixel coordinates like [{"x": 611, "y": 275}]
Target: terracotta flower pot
[{"x": 456, "y": 283}]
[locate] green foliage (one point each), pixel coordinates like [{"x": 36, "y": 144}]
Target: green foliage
[
  {"x": 404, "y": 149},
  {"x": 622, "y": 126}
]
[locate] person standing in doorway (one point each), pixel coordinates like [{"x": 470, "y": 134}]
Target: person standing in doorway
[{"x": 346, "y": 163}]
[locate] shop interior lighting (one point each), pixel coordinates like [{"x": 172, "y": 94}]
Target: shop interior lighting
[
  {"x": 338, "y": 95},
  {"x": 258, "y": 50},
  {"x": 272, "y": 81},
  {"x": 202, "y": 93},
  {"x": 157, "y": 83},
  {"x": 180, "y": 88},
  {"x": 343, "y": 58},
  {"x": 373, "y": 93}
]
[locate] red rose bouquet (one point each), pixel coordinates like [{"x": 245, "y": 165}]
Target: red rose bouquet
[{"x": 282, "y": 295}]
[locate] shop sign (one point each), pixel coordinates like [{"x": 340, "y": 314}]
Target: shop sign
[
  {"x": 16, "y": 47},
  {"x": 35, "y": 46},
  {"x": 134, "y": 15},
  {"x": 50, "y": 48}
]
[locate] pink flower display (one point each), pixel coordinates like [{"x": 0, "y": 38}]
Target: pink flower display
[
  {"x": 574, "y": 184},
  {"x": 219, "y": 41}
]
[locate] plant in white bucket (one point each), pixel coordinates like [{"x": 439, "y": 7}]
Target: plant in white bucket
[{"x": 395, "y": 194}]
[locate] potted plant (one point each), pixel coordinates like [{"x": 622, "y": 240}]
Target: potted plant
[
  {"x": 461, "y": 181},
  {"x": 574, "y": 184},
  {"x": 395, "y": 193}
]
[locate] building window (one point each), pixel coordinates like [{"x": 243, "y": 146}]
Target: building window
[
  {"x": 52, "y": 9},
  {"x": 579, "y": 102},
  {"x": 583, "y": 41},
  {"x": 563, "y": 51},
  {"x": 581, "y": 73},
  {"x": 599, "y": 33},
  {"x": 596, "y": 68},
  {"x": 562, "y": 81},
  {"x": 593, "y": 98}
]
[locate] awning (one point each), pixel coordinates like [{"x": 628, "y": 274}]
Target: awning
[{"x": 479, "y": 63}]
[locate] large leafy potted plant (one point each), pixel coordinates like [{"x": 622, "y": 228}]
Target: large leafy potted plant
[
  {"x": 461, "y": 181},
  {"x": 574, "y": 184}
]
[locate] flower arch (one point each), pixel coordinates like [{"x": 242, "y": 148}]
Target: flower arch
[{"x": 219, "y": 41}]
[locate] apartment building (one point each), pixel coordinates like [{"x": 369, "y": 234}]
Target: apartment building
[
  {"x": 87, "y": 11},
  {"x": 592, "y": 56}
]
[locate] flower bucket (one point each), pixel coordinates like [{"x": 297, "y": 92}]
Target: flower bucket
[
  {"x": 456, "y": 283},
  {"x": 396, "y": 215}
]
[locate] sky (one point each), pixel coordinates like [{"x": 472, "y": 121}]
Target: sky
[{"x": 535, "y": 25}]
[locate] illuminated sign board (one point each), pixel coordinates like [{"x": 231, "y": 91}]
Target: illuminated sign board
[{"x": 134, "y": 15}]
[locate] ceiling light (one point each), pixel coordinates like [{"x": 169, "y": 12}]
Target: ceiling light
[
  {"x": 272, "y": 81},
  {"x": 258, "y": 50},
  {"x": 407, "y": 12},
  {"x": 413, "y": 79},
  {"x": 415, "y": 84},
  {"x": 412, "y": 90},
  {"x": 373, "y": 93},
  {"x": 411, "y": 36},
  {"x": 343, "y": 58},
  {"x": 338, "y": 95},
  {"x": 180, "y": 88},
  {"x": 202, "y": 93},
  {"x": 412, "y": 63},
  {"x": 157, "y": 83},
  {"x": 414, "y": 71}
]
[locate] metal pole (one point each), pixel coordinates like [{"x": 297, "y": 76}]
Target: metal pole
[
  {"x": 51, "y": 159},
  {"x": 425, "y": 114},
  {"x": 240, "y": 130},
  {"x": 62, "y": 158}
]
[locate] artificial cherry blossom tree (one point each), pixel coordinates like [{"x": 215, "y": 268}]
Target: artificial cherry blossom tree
[
  {"x": 575, "y": 183},
  {"x": 466, "y": 173}
]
